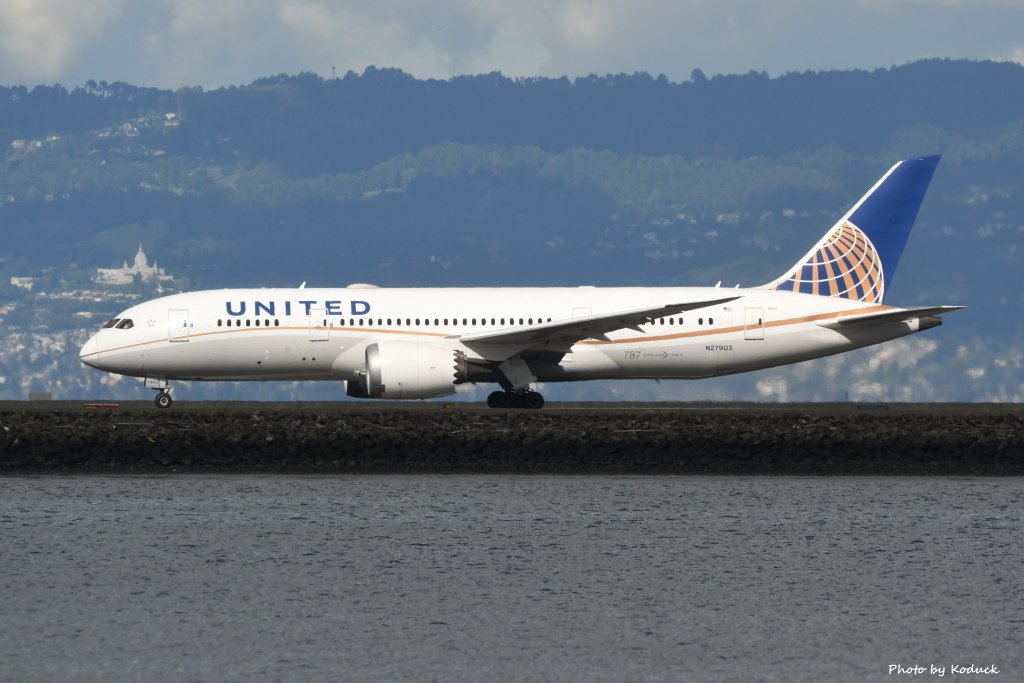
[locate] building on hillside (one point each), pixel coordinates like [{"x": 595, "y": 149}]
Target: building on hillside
[
  {"x": 23, "y": 282},
  {"x": 125, "y": 275}
]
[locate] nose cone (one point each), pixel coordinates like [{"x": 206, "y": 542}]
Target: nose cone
[{"x": 90, "y": 353}]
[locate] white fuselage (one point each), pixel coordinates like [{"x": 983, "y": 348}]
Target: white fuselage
[{"x": 322, "y": 334}]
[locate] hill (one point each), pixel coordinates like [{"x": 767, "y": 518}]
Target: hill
[{"x": 618, "y": 179}]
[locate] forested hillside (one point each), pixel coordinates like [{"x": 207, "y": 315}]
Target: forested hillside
[{"x": 621, "y": 179}]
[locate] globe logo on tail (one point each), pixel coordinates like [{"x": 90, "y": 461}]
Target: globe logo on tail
[{"x": 846, "y": 264}]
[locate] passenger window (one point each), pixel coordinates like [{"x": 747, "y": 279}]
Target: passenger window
[
  {"x": 711, "y": 321},
  {"x": 112, "y": 323},
  {"x": 277, "y": 323},
  {"x": 700, "y": 321},
  {"x": 219, "y": 322},
  {"x": 125, "y": 324}
]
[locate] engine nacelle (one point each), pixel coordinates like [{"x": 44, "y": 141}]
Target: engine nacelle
[{"x": 410, "y": 369}]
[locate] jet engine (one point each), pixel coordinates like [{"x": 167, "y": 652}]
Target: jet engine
[{"x": 409, "y": 369}]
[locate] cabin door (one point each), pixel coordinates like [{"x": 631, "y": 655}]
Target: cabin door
[
  {"x": 318, "y": 328},
  {"x": 753, "y": 326},
  {"x": 178, "y": 325}
]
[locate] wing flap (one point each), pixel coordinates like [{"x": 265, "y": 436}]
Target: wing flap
[{"x": 564, "y": 333}]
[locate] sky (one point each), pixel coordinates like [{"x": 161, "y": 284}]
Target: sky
[{"x": 211, "y": 43}]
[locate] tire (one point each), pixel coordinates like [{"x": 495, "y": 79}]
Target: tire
[
  {"x": 163, "y": 400},
  {"x": 533, "y": 401},
  {"x": 497, "y": 399}
]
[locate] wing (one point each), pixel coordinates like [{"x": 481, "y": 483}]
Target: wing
[
  {"x": 892, "y": 316},
  {"x": 560, "y": 335}
]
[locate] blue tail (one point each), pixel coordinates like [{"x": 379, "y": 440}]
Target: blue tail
[{"x": 857, "y": 258}]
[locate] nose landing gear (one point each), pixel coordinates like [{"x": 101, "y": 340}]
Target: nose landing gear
[{"x": 163, "y": 392}]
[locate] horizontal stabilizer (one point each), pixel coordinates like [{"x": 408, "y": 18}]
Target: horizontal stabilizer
[{"x": 890, "y": 316}]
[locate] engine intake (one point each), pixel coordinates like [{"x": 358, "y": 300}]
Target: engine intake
[{"x": 409, "y": 369}]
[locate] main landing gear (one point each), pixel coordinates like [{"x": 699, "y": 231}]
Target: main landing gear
[{"x": 521, "y": 398}]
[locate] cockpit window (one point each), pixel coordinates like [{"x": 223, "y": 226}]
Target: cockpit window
[
  {"x": 125, "y": 324},
  {"x": 112, "y": 323}
]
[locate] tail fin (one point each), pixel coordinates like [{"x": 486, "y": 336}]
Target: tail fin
[{"x": 856, "y": 259}]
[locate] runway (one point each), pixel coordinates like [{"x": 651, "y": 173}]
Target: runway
[
  {"x": 436, "y": 437},
  {"x": 356, "y": 407}
]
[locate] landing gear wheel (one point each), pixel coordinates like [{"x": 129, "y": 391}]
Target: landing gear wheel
[
  {"x": 163, "y": 399},
  {"x": 530, "y": 400}
]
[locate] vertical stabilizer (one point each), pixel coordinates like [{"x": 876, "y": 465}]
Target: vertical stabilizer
[{"x": 856, "y": 259}]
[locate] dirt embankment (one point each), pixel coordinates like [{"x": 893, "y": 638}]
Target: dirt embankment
[{"x": 690, "y": 441}]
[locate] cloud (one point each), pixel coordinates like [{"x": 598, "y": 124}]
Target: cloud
[
  {"x": 586, "y": 22},
  {"x": 40, "y": 38},
  {"x": 172, "y": 43},
  {"x": 1014, "y": 55},
  {"x": 774, "y": 387},
  {"x": 384, "y": 34},
  {"x": 901, "y": 353},
  {"x": 865, "y": 390},
  {"x": 426, "y": 40}
]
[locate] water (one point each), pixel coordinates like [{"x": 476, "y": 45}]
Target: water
[{"x": 471, "y": 578}]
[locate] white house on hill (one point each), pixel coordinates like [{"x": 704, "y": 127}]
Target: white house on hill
[{"x": 125, "y": 275}]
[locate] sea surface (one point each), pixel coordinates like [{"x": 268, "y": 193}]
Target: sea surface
[{"x": 510, "y": 578}]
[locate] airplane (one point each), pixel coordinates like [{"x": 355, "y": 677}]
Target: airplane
[{"x": 416, "y": 343}]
